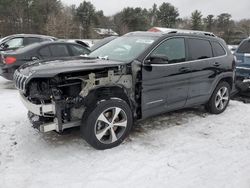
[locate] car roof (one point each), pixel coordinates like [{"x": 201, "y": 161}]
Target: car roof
[
  {"x": 145, "y": 33},
  {"x": 184, "y": 33},
  {"x": 30, "y": 35},
  {"x": 38, "y": 45}
]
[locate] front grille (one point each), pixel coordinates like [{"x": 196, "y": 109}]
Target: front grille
[{"x": 20, "y": 81}]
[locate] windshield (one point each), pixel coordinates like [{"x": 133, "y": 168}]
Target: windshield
[{"x": 125, "y": 48}]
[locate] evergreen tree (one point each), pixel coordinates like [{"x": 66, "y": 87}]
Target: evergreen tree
[{"x": 196, "y": 19}]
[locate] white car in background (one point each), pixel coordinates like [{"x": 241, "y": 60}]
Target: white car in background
[{"x": 232, "y": 48}]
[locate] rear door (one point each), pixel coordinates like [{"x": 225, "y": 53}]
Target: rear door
[
  {"x": 165, "y": 84},
  {"x": 204, "y": 70}
]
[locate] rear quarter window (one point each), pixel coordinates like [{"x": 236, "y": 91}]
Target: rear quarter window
[
  {"x": 218, "y": 49},
  {"x": 78, "y": 50},
  {"x": 199, "y": 49}
]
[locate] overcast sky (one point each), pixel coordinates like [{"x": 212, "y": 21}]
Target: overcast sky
[{"x": 237, "y": 8}]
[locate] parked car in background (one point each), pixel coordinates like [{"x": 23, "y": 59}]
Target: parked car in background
[
  {"x": 11, "y": 60},
  {"x": 232, "y": 48},
  {"x": 133, "y": 77},
  {"x": 242, "y": 55},
  {"x": 14, "y": 42}
]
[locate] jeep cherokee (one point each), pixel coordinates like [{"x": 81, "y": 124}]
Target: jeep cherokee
[{"x": 138, "y": 75}]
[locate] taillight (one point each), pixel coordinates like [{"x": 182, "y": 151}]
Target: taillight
[{"x": 9, "y": 60}]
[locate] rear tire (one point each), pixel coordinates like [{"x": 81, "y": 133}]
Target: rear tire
[
  {"x": 220, "y": 98},
  {"x": 107, "y": 123}
]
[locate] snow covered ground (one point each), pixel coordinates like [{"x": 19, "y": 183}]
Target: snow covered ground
[{"x": 188, "y": 148}]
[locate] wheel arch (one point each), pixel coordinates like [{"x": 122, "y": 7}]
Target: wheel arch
[
  {"x": 107, "y": 92},
  {"x": 226, "y": 77},
  {"x": 229, "y": 80}
]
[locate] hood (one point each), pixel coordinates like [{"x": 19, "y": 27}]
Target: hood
[{"x": 46, "y": 69}]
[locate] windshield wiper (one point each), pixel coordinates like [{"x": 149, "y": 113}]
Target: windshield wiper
[{"x": 98, "y": 57}]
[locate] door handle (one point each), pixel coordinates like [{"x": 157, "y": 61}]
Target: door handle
[
  {"x": 184, "y": 69},
  {"x": 217, "y": 64}
]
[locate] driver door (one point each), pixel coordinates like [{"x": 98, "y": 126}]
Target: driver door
[{"x": 165, "y": 80}]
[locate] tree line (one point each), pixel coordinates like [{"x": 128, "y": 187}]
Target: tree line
[{"x": 52, "y": 17}]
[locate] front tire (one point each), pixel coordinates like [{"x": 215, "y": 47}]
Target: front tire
[
  {"x": 220, "y": 98},
  {"x": 107, "y": 123}
]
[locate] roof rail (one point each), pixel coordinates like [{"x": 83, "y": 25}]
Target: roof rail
[{"x": 172, "y": 30}]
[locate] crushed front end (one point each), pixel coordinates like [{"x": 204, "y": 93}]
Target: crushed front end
[
  {"x": 52, "y": 102},
  {"x": 59, "y": 102}
]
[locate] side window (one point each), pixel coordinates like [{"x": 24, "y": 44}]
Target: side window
[
  {"x": 45, "y": 52},
  {"x": 31, "y": 40},
  {"x": 78, "y": 50},
  {"x": 59, "y": 50},
  {"x": 199, "y": 49},
  {"x": 15, "y": 43},
  {"x": 173, "y": 49},
  {"x": 218, "y": 49}
]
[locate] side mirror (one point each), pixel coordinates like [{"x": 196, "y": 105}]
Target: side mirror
[
  {"x": 4, "y": 46},
  {"x": 157, "y": 59}
]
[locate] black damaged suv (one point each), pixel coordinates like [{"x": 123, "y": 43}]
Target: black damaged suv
[{"x": 138, "y": 75}]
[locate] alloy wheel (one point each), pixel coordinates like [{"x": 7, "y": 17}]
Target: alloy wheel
[
  {"x": 111, "y": 125},
  {"x": 222, "y": 98}
]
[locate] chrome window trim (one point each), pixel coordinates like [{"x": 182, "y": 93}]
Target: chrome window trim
[{"x": 192, "y": 61}]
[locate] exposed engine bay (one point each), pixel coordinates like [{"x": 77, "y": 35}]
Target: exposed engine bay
[{"x": 62, "y": 100}]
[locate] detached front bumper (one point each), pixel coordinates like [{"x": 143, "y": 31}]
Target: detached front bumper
[
  {"x": 45, "y": 111},
  {"x": 38, "y": 109}
]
